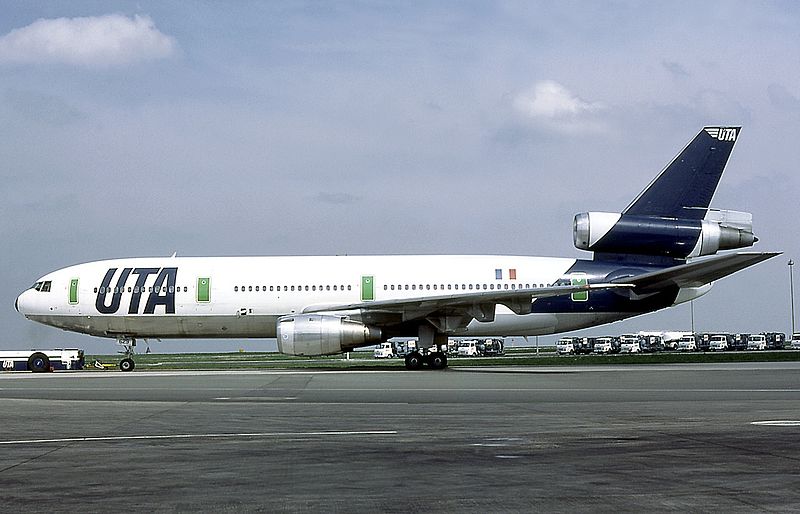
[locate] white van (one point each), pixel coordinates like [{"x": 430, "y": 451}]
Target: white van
[
  {"x": 629, "y": 344},
  {"x": 383, "y": 351},
  {"x": 757, "y": 342},
  {"x": 718, "y": 344},
  {"x": 603, "y": 345},
  {"x": 795, "y": 344},
  {"x": 468, "y": 348},
  {"x": 565, "y": 346},
  {"x": 687, "y": 344}
]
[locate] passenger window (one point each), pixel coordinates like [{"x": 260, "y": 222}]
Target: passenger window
[
  {"x": 95, "y": 289},
  {"x": 349, "y": 287},
  {"x": 306, "y": 288},
  {"x": 292, "y": 288},
  {"x": 185, "y": 289}
]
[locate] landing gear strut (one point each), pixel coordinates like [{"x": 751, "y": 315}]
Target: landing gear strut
[{"x": 129, "y": 348}]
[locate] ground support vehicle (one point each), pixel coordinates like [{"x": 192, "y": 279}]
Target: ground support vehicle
[
  {"x": 583, "y": 345},
  {"x": 565, "y": 346},
  {"x": 687, "y": 344},
  {"x": 468, "y": 348},
  {"x": 629, "y": 344},
  {"x": 757, "y": 342},
  {"x": 604, "y": 345},
  {"x": 493, "y": 347},
  {"x": 718, "y": 343},
  {"x": 795, "y": 343},
  {"x": 775, "y": 340},
  {"x": 40, "y": 361},
  {"x": 384, "y": 351},
  {"x": 740, "y": 342},
  {"x": 403, "y": 348}
]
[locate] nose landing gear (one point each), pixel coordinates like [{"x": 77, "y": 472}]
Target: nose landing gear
[{"x": 129, "y": 349}]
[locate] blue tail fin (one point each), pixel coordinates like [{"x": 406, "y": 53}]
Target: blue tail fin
[{"x": 685, "y": 187}]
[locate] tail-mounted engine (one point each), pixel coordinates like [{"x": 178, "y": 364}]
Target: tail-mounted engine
[
  {"x": 670, "y": 237},
  {"x": 316, "y": 334}
]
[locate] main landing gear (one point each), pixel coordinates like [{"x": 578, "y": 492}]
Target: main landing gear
[
  {"x": 431, "y": 355},
  {"x": 129, "y": 348},
  {"x": 434, "y": 360}
]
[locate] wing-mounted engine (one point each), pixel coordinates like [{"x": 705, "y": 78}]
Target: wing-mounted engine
[
  {"x": 318, "y": 334},
  {"x": 668, "y": 237}
]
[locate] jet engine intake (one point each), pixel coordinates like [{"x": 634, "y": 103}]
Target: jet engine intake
[{"x": 317, "y": 334}]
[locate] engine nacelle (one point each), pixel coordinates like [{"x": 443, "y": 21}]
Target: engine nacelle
[
  {"x": 317, "y": 334},
  {"x": 649, "y": 235}
]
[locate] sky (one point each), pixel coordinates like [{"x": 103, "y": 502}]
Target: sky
[{"x": 316, "y": 128}]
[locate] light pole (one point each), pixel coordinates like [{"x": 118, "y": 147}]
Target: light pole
[{"x": 791, "y": 290}]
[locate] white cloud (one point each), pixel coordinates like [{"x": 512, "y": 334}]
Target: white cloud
[
  {"x": 98, "y": 41},
  {"x": 550, "y": 104},
  {"x": 549, "y": 99}
]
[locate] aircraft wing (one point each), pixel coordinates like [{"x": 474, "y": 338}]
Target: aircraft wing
[
  {"x": 518, "y": 300},
  {"x": 696, "y": 273}
]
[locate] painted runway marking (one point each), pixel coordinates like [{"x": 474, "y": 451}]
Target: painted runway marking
[
  {"x": 199, "y": 436},
  {"x": 778, "y": 423}
]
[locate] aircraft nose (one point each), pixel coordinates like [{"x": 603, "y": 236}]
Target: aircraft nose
[{"x": 20, "y": 303}]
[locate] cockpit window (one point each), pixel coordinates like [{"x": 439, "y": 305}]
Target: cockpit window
[{"x": 44, "y": 286}]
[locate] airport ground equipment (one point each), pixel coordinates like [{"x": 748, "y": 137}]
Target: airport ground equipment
[
  {"x": 757, "y": 342},
  {"x": 566, "y": 346},
  {"x": 629, "y": 343},
  {"x": 40, "y": 361},
  {"x": 384, "y": 351},
  {"x": 468, "y": 348},
  {"x": 492, "y": 347},
  {"x": 775, "y": 340}
]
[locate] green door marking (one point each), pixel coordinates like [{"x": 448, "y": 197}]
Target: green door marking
[
  {"x": 367, "y": 289},
  {"x": 203, "y": 289},
  {"x": 73, "y": 291},
  {"x": 582, "y": 296}
]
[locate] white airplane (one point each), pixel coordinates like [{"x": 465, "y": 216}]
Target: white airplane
[{"x": 644, "y": 260}]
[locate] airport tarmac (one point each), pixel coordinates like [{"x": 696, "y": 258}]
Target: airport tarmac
[{"x": 624, "y": 438}]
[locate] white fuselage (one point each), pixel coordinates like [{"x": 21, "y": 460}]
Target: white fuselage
[
  {"x": 227, "y": 297},
  {"x": 246, "y": 295}
]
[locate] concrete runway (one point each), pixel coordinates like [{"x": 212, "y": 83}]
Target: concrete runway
[{"x": 656, "y": 438}]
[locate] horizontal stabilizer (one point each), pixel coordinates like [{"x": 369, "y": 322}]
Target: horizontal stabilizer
[{"x": 696, "y": 273}]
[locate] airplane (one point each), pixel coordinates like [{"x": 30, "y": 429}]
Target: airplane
[{"x": 645, "y": 258}]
